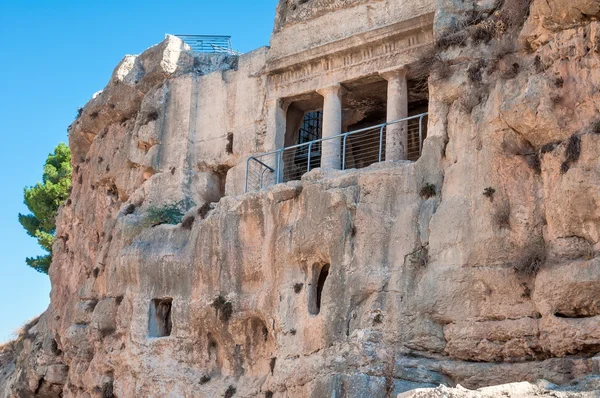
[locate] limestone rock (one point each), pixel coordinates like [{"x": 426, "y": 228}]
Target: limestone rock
[{"x": 169, "y": 280}]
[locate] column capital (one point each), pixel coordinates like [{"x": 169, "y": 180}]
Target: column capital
[
  {"x": 278, "y": 102},
  {"x": 335, "y": 88},
  {"x": 395, "y": 72}
]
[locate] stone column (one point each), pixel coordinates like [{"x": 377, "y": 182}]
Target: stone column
[
  {"x": 331, "y": 152},
  {"x": 276, "y": 124},
  {"x": 275, "y": 139},
  {"x": 396, "y": 144}
]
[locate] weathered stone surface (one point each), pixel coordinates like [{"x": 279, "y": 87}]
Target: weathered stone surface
[
  {"x": 515, "y": 390},
  {"x": 346, "y": 283},
  {"x": 558, "y": 14}
]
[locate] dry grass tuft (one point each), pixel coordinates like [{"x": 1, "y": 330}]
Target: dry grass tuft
[
  {"x": 24, "y": 331},
  {"x": 230, "y": 392},
  {"x": 534, "y": 162},
  {"x": 475, "y": 71},
  {"x": 428, "y": 191},
  {"x": 483, "y": 32},
  {"x": 501, "y": 216},
  {"x": 430, "y": 64},
  {"x": 559, "y": 82},
  {"x": 204, "y": 379},
  {"x": 532, "y": 259},
  {"x": 188, "y": 222},
  {"x": 551, "y": 146},
  {"x": 595, "y": 128},
  {"x": 514, "y": 13},
  {"x": 298, "y": 287},
  {"x": 420, "y": 257},
  {"x": 223, "y": 307},
  {"x": 378, "y": 319},
  {"x": 452, "y": 38}
]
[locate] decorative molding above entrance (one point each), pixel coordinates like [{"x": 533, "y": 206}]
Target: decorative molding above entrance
[{"x": 349, "y": 59}]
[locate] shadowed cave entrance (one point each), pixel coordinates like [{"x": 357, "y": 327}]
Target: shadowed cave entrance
[
  {"x": 315, "y": 293},
  {"x": 159, "y": 321},
  {"x": 364, "y": 108}
]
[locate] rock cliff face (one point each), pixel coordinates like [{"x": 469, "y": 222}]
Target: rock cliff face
[{"x": 355, "y": 283}]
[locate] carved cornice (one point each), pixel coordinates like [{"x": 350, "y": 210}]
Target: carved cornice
[{"x": 358, "y": 54}]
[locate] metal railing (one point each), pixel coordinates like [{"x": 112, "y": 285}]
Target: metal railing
[
  {"x": 209, "y": 44},
  {"x": 352, "y": 150}
]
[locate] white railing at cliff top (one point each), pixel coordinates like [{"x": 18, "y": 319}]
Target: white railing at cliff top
[{"x": 209, "y": 44}]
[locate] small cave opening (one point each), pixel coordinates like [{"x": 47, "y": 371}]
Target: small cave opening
[
  {"x": 159, "y": 321},
  {"x": 229, "y": 145},
  {"x": 319, "y": 277}
]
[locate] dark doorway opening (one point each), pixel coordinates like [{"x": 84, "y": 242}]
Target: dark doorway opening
[
  {"x": 320, "y": 274},
  {"x": 304, "y": 124},
  {"x": 159, "y": 322}
]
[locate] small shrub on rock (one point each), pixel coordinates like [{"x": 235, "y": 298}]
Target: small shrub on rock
[
  {"x": 420, "y": 257},
  {"x": 431, "y": 64},
  {"x": 556, "y": 98},
  {"x": 107, "y": 390},
  {"x": 223, "y": 307},
  {"x": 230, "y": 392},
  {"x": 532, "y": 260},
  {"x": 152, "y": 116},
  {"x": 596, "y": 127},
  {"x": 451, "y": 39},
  {"x": 501, "y": 216},
  {"x": 534, "y": 162},
  {"x": 482, "y": 33},
  {"x": 475, "y": 71},
  {"x": 489, "y": 193},
  {"x": 549, "y": 147},
  {"x": 218, "y": 303},
  {"x": 428, "y": 191},
  {"x": 378, "y": 319},
  {"x": 226, "y": 312},
  {"x": 204, "y": 210},
  {"x": 188, "y": 222},
  {"x": 204, "y": 379},
  {"x": 559, "y": 82},
  {"x": 514, "y": 12},
  {"x": 298, "y": 287},
  {"x": 169, "y": 214},
  {"x": 572, "y": 153},
  {"x": 129, "y": 209}
]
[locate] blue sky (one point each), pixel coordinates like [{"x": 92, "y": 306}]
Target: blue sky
[{"x": 54, "y": 55}]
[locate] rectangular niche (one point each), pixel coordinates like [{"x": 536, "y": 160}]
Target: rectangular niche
[
  {"x": 159, "y": 321},
  {"x": 315, "y": 292}
]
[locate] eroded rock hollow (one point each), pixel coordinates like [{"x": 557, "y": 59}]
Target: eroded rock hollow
[{"x": 474, "y": 261}]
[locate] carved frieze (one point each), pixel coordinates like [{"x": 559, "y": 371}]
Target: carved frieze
[{"x": 349, "y": 59}]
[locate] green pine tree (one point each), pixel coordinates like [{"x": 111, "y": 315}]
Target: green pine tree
[{"x": 43, "y": 200}]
